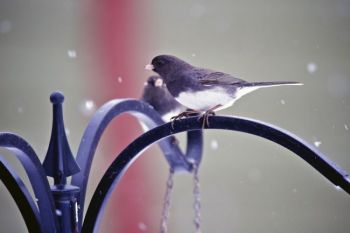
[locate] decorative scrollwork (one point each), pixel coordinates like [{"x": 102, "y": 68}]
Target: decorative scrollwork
[
  {"x": 36, "y": 174},
  {"x": 46, "y": 217},
  {"x": 282, "y": 137}
]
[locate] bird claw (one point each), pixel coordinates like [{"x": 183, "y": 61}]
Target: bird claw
[
  {"x": 205, "y": 117},
  {"x": 184, "y": 114}
]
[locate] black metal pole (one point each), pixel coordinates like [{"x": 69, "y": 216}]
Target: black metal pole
[{"x": 59, "y": 163}]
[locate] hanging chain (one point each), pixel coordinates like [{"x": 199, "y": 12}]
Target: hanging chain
[
  {"x": 197, "y": 199},
  {"x": 167, "y": 200}
]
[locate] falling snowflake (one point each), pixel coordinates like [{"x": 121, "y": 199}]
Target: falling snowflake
[
  {"x": 87, "y": 107},
  {"x": 72, "y": 53},
  {"x": 119, "y": 79},
  {"x": 89, "y": 104},
  {"x": 311, "y": 67},
  {"x": 317, "y": 143},
  {"x": 67, "y": 131},
  {"x": 214, "y": 145},
  {"x": 58, "y": 212},
  {"x": 142, "y": 226}
]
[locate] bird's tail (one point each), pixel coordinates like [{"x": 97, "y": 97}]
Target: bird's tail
[
  {"x": 249, "y": 87},
  {"x": 271, "y": 84}
]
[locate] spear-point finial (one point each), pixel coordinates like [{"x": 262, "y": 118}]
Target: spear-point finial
[{"x": 59, "y": 162}]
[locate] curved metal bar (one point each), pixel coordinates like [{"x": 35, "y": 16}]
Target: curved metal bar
[
  {"x": 119, "y": 166},
  {"x": 26, "y": 155},
  {"x": 194, "y": 150},
  {"x": 145, "y": 114},
  {"x": 21, "y": 196}
]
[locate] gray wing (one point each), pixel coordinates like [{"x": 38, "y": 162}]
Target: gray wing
[{"x": 213, "y": 78}]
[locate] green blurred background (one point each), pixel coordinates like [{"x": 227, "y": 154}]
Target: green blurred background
[{"x": 247, "y": 184}]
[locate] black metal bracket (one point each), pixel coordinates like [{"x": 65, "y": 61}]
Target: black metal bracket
[{"x": 51, "y": 214}]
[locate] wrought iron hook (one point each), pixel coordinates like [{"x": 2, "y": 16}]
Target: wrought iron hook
[
  {"x": 146, "y": 115},
  {"x": 116, "y": 170}
]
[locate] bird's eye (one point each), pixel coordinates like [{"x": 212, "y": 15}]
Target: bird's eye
[{"x": 158, "y": 82}]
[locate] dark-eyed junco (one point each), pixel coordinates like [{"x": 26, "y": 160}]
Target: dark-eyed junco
[
  {"x": 157, "y": 95},
  {"x": 203, "y": 90}
]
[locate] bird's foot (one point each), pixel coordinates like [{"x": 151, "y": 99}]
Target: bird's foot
[
  {"x": 184, "y": 114},
  {"x": 205, "y": 116}
]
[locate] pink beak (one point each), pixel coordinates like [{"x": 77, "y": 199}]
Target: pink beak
[{"x": 149, "y": 67}]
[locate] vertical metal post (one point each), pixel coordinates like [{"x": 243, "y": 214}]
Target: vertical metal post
[
  {"x": 66, "y": 207},
  {"x": 59, "y": 163}
]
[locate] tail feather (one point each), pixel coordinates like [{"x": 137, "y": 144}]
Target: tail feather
[
  {"x": 270, "y": 84},
  {"x": 249, "y": 87}
]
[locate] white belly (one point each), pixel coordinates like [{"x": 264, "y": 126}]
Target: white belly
[{"x": 204, "y": 100}]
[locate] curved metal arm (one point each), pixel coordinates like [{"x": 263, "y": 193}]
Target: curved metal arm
[
  {"x": 148, "y": 116},
  {"x": 21, "y": 196},
  {"x": 114, "y": 173},
  {"x": 26, "y": 155}
]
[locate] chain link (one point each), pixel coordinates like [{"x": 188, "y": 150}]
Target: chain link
[
  {"x": 167, "y": 202},
  {"x": 197, "y": 199},
  {"x": 196, "y": 204}
]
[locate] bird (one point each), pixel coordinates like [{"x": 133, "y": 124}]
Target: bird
[
  {"x": 156, "y": 94},
  {"x": 203, "y": 90}
]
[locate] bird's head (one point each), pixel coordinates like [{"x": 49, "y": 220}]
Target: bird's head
[
  {"x": 166, "y": 65},
  {"x": 155, "y": 81}
]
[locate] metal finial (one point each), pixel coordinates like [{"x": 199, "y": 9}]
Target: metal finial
[
  {"x": 57, "y": 97},
  {"x": 59, "y": 162}
]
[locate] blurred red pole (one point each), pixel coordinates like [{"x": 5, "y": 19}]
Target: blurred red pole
[{"x": 115, "y": 34}]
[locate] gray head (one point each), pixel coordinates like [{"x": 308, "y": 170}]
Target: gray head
[
  {"x": 166, "y": 65},
  {"x": 156, "y": 94},
  {"x": 155, "y": 81}
]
